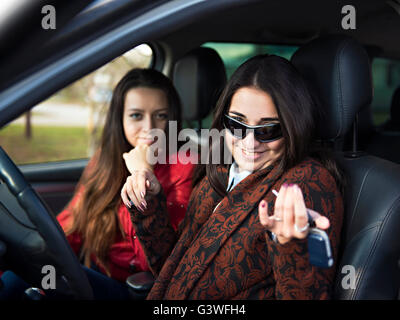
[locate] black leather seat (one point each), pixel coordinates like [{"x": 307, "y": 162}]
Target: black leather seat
[
  {"x": 339, "y": 70},
  {"x": 199, "y": 78}
]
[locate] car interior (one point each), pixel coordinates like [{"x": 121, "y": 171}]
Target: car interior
[{"x": 336, "y": 62}]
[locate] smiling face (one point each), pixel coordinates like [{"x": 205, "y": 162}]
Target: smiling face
[
  {"x": 144, "y": 109},
  {"x": 253, "y": 107}
]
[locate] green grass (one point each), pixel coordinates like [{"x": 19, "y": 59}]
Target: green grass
[
  {"x": 379, "y": 118},
  {"x": 46, "y": 144}
]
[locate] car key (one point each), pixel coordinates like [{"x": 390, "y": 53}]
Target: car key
[{"x": 319, "y": 246}]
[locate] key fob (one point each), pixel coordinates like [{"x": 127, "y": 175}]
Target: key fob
[{"x": 319, "y": 248}]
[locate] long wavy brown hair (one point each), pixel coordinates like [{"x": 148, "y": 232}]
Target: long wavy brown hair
[
  {"x": 95, "y": 215},
  {"x": 297, "y": 108}
]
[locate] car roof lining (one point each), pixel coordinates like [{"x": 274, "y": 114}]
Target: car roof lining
[
  {"x": 377, "y": 24},
  {"x": 264, "y": 22}
]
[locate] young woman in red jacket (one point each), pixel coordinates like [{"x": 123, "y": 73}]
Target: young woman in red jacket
[{"x": 96, "y": 221}]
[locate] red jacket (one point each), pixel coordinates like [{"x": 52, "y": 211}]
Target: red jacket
[{"x": 126, "y": 255}]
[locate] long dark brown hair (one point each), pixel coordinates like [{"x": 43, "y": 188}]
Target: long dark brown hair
[
  {"x": 296, "y": 107},
  {"x": 95, "y": 216}
]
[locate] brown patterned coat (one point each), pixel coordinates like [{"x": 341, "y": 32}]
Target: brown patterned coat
[{"x": 226, "y": 254}]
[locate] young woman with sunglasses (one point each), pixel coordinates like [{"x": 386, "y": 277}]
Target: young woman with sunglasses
[{"x": 244, "y": 235}]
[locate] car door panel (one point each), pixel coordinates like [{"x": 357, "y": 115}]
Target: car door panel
[{"x": 55, "y": 182}]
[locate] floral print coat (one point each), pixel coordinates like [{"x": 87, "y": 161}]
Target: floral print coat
[{"x": 226, "y": 254}]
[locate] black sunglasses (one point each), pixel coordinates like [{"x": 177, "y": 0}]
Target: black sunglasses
[{"x": 262, "y": 133}]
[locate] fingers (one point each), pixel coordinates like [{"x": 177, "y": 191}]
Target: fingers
[
  {"x": 290, "y": 219},
  {"x": 129, "y": 186},
  {"x": 263, "y": 215},
  {"x": 141, "y": 188},
  {"x": 300, "y": 217},
  {"x": 321, "y": 222},
  {"x": 133, "y": 191},
  {"x": 273, "y": 223},
  {"x": 138, "y": 186},
  {"x": 288, "y": 214},
  {"x": 136, "y": 190},
  {"x": 279, "y": 203},
  {"x": 124, "y": 196}
]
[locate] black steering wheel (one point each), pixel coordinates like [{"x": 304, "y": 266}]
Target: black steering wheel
[{"x": 34, "y": 240}]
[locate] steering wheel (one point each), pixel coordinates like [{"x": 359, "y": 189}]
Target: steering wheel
[{"x": 34, "y": 240}]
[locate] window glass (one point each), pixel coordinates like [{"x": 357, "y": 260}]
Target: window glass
[
  {"x": 68, "y": 124},
  {"x": 386, "y": 79},
  {"x": 234, "y": 54}
]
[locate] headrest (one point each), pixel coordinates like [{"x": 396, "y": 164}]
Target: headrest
[
  {"x": 199, "y": 78},
  {"x": 338, "y": 69},
  {"x": 395, "y": 107}
]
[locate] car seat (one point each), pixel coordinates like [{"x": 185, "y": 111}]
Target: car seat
[
  {"x": 199, "y": 78},
  {"x": 338, "y": 69}
]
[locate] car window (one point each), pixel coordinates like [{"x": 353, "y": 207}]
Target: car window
[
  {"x": 386, "y": 79},
  {"x": 68, "y": 124},
  {"x": 234, "y": 54}
]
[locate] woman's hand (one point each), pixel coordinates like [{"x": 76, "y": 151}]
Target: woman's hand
[
  {"x": 136, "y": 159},
  {"x": 290, "y": 218},
  {"x": 140, "y": 185}
]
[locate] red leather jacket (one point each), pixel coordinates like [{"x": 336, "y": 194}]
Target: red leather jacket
[{"x": 126, "y": 255}]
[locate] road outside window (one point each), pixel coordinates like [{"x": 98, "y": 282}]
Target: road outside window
[{"x": 68, "y": 125}]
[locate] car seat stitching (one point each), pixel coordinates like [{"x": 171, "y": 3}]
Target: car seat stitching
[
  {"x": 359, "y": 195},
  {"x": 380, "y": 226},
  {"x": 340, "y": 91}
]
